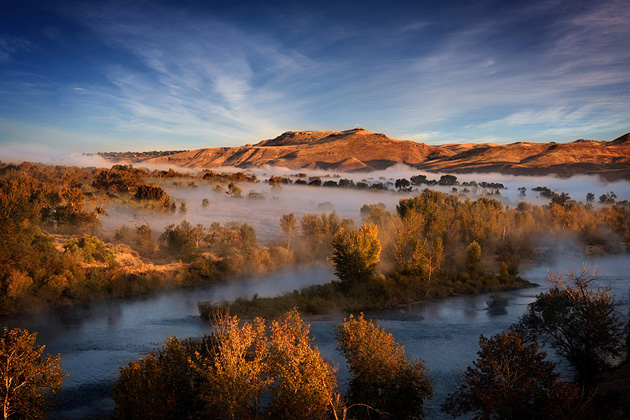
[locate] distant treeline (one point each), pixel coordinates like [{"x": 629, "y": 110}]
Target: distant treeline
[
  {"x": 134, "y": 156},
  {"x": 401, "y": 184}
]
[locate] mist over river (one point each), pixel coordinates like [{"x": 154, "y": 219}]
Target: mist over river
[{"x": 96, "y": 339}]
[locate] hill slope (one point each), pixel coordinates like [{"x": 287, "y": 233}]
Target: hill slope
[{"x": 361, "y": 150}]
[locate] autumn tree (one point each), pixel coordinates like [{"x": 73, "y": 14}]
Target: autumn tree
[
  {"x": 184, "y": 239},
  {"x": 118, "y": 178},
  {"x": 579, "y": 322},
  {"x": 431, "y": 206},
  {"x": 473, "y": 258},
  {"x": 355, "y": 254},
  {"x": 288, "y": 224},
  {"x": 236, "y": 374},
  {"x": 254, "y": 374},
  {"x": 511, "y": 380},
  {"x": 382, "y": 377},
  {"x": 27, "y": 378},
  {"x": 304, "y": 384},
  {"x": 149, "y": 192}
]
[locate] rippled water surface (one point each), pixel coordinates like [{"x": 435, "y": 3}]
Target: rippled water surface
[{"x": 96, "y": 339}]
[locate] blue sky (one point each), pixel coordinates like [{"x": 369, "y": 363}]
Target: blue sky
[{"x": 79, "y": 76}]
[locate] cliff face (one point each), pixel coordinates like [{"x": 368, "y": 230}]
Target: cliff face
[{"x": 361, "y": 150}]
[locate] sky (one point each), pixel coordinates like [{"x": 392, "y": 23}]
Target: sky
[{"x": 87, "y": 76}]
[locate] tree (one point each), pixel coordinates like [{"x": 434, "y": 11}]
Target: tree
[
  {"x": 560, "y": 199},
  {"x": 418, "y": 179},
  {"x": 234, "y": 190},
  {"x": 381, "y": 375},
  {"x": 608, "y": 198},
  {"x": 27, "y": 379},
  {"x": 247, "y": 236},
  {"x": 403, "y": 184},
  {"x": 247, "y": 365},
  {"x": 160, "y": 386},
  {"x": 590, "y": 197},
  {"x": 149, "y": 192},
  {"x": 235, "y": 374},
  {"x": 473, "y": 258},
  {"x": 511, "y": 380},
  {"x": 304, "y": 384},
  {"x": 355, "y": 254},
  {"x": 580, "y": 323},
  {"x": 288, "y": 224},
  {"x": 448, "y": 180},
  {"x": 184, "y": 239}
]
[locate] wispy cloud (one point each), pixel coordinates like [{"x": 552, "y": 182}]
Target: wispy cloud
[
  {"x": 571, "y": 80},
  {"x": 199, "y": 78},
  {"x": 10, "y": 45}
]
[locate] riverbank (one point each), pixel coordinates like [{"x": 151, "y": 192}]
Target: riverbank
[{"x": 379, "y": 293}]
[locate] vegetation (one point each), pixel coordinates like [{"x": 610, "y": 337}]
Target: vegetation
[
  {"x": 27, "y": 380},
  {"x": 49, "y": 212},
  {"x": 355, "y": 255},
  {"x": 512, "y": 380},
  {"x": 581, "y": 324},
  {"x": 288, "y": 224},
  {"x": 435, "y": 245},
  {"x": 381, "y": 375},
  {"x": 54, "y": 253},
  {"x": 136, "y": 156},
  {"x": 260, "y": 371}
]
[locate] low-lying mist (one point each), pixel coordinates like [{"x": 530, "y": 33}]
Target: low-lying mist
[{"x": 264, "y": 207}]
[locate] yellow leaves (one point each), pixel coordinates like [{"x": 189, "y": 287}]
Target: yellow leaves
[
  {"x": 356, "y": 253},
  {"x": 19, "y": 284},
  {"x": 24, "y": 374},
  {"x": 382, "y": 376},
  {"x": 250, "y": 362}
]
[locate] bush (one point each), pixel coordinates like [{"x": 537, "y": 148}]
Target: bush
[{"x": 89, "y": 249}]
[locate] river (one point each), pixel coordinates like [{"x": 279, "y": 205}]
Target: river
[{"x": 94, "y": 340}]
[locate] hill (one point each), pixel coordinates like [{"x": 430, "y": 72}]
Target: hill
[{"x": 362, "y": 150}]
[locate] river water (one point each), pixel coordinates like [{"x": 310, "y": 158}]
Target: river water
[{"x": 96, "y": 339}]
